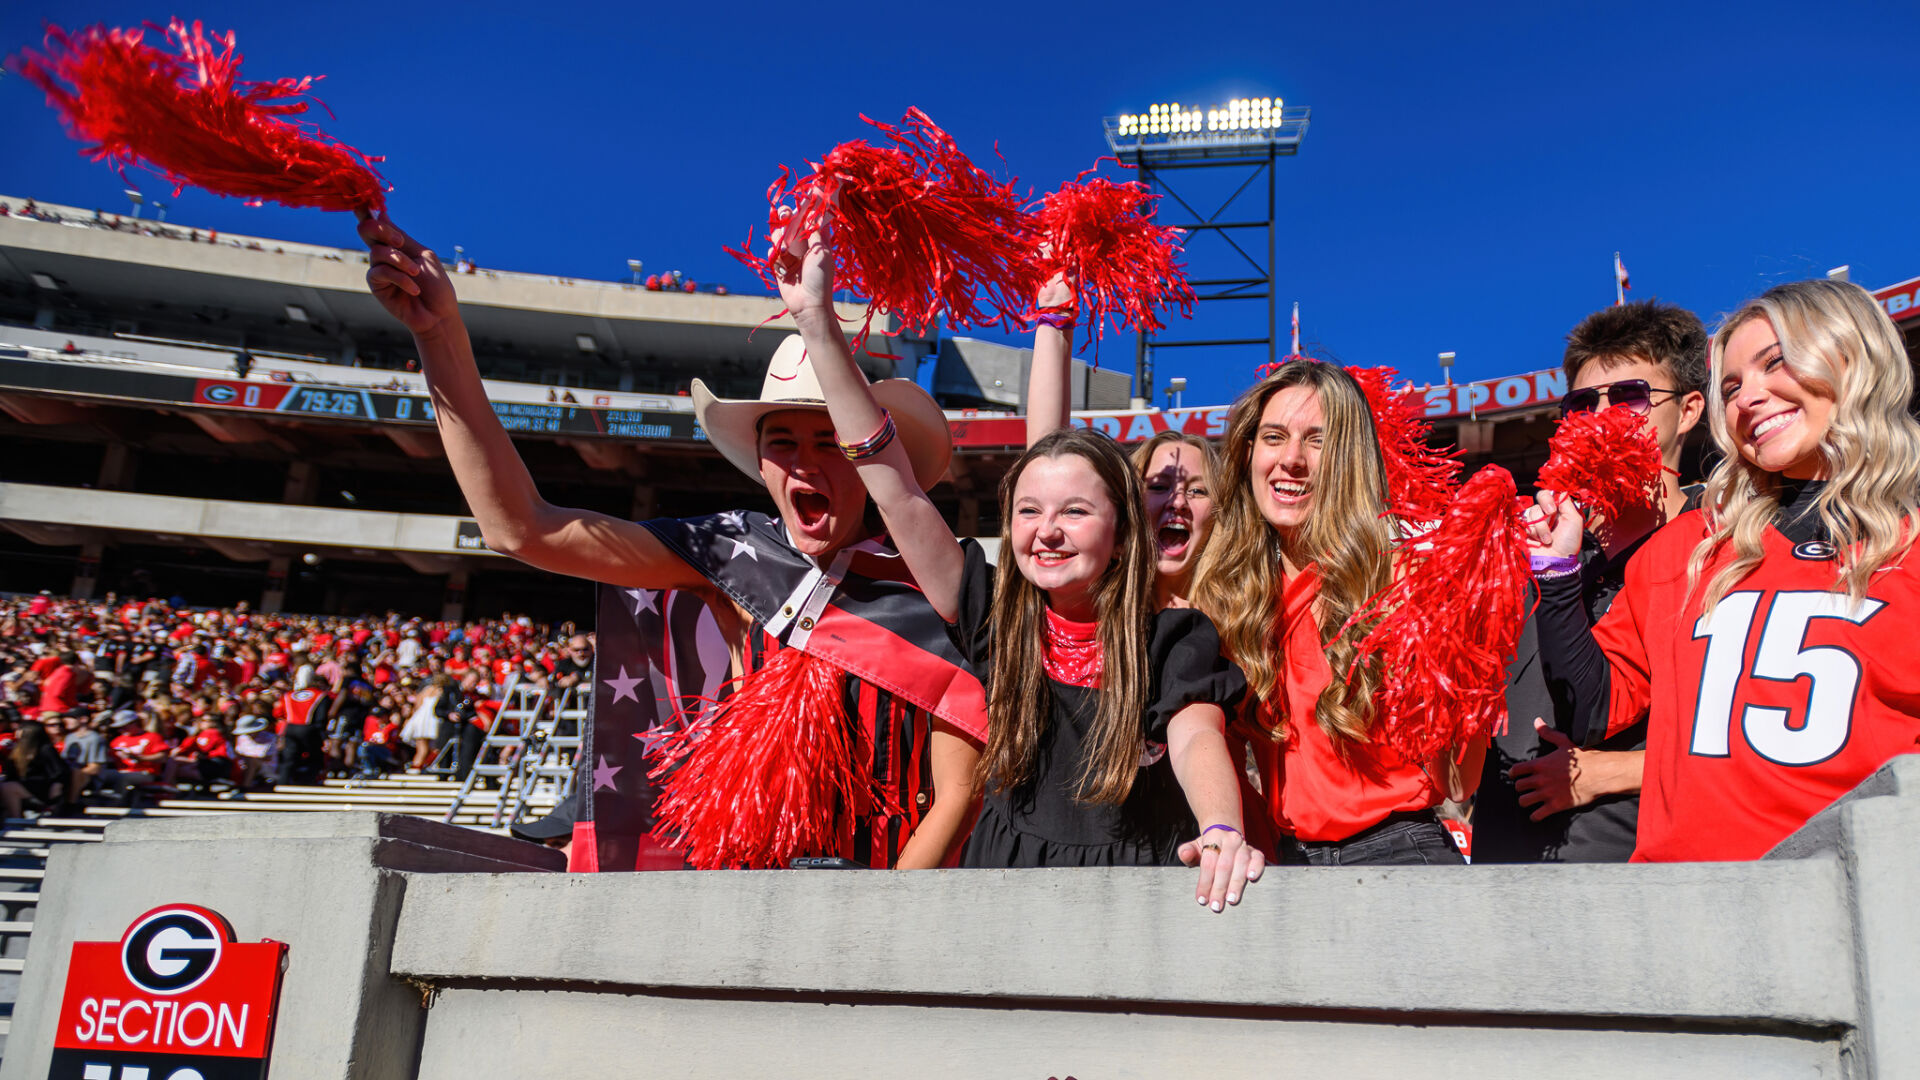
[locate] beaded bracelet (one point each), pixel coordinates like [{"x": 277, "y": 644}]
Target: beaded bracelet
[{"x": 872, "y": 445}]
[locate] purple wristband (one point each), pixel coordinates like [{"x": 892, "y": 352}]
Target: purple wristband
[
  {"x": 1229, "y": 828},
  {"x": 1553, "y": 566},
  {"x": 1059, "y": 320}
]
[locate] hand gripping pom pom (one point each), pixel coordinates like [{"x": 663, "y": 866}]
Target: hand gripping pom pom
[
  {"x": 1606, "y": 460},
  {"x": 917, "y": 228},
  {"x": 1420, "y": 479},
  {"x": 191, "y": 119},
  {"x": 1445, "y": 630},
  {"x": 778, "y": 771},
  {"x": 1121, "y": 265}
]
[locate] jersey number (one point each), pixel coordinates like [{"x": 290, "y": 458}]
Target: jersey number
[{"x": 1781, "y": 657}]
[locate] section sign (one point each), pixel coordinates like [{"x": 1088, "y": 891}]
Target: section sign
[{"x": 178, "y": 997}]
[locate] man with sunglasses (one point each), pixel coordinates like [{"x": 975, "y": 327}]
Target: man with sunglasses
[{"x": 1556, "y": 792}]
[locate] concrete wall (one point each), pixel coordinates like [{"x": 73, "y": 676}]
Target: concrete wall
[{"x": 1806, "y": 964}]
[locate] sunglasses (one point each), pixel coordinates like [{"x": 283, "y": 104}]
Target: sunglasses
[{"x": 1635, "y": 395}]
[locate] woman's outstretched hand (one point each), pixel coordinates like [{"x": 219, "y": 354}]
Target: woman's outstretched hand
[
  {"x": 406, "y": 278},
  {"x": 1227, "y": 863}
]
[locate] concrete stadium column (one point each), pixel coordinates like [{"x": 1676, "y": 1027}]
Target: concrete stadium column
[
  {"x": 453, "y": 605},
  {"x": 274, "y": 599},
  {"x": 86, "y": 573},
  {"x": 329, "y": 885},
  {"x": 1870, "y": 834},
  {"x": 117, "y": 468}
]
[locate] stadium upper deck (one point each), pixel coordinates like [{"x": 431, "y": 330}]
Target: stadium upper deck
[{"x": 131, "y": 444}]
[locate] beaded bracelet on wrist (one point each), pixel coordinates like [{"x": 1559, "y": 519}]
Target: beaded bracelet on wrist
[{"x": 873, "y": 444}]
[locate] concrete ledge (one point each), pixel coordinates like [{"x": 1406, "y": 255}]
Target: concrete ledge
[
  {"x": 468, "y": 844},
  {"x": 559, "y": 1034},
  {"x": 1706, "y": 942}
]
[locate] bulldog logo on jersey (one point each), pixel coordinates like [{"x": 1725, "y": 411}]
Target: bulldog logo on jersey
[{"x": 1815, "y": 551}]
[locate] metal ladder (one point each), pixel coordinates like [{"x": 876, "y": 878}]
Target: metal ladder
[
  {"x": 550, "y": 761},
  {"x": 521, "y": 705}
]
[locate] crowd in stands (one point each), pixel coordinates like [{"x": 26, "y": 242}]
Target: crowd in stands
[
  {"x": 116, "y": 223},
  {"x": 123, "y": 700}
]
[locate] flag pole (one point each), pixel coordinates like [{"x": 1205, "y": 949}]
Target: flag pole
[{"x": 1619, "y": 286}]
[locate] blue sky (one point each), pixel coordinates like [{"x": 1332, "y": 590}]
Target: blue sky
[{"x": 1469, "y": 172}]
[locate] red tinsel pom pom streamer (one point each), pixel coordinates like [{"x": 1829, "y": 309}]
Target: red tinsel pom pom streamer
[
  {"x": 1121, "y": 265},
  {"x": 775, "y": 772},
  {"x": 1420, "y": 479},
  {"x": 917, "y": 228},
  {"x": 1606, "y": 459},
  {"x": 1445, "y": 630},
  {"x": 193, "y": 120}
]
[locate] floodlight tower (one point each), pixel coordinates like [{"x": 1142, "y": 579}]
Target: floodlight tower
[{"x": 1244, "y": 135}]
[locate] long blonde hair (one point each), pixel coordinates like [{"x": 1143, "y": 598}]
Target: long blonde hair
[
  {"x": 1833, "y": 339},
  {"x": 1019, "y": 701},
  {"x": 1348, "y": 538}
]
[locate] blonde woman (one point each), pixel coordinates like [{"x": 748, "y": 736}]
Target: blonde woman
[
  {"x": 1764, "y": 635},
  {"x": 1300, "y": 540}
]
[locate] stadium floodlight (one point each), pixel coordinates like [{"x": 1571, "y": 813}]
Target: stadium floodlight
[
  {"x": 1446, "y": 367},
  {"x": 138, "y": 200},
  {"x": 634, "y": 265},
  {"x": 296, "y": 313},
  {"x": 46, "y": 281},
  {"x": 586, "y": 343},
  {"x": 1232, "y": 127}
]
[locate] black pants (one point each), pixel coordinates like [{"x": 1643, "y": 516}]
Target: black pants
[
  {"x": 471, "y": 740},
  {"x": 1403, "y": 839},
  {"x": 301, "y": 758}
]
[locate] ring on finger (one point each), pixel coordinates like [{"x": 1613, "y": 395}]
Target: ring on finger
[{"x": 1209, "y": 847}]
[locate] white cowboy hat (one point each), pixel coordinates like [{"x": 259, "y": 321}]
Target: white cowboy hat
[{"x": 733, "y": 425}]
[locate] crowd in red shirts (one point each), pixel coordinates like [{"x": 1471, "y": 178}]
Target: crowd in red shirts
[{"x": 118, "y": 698}]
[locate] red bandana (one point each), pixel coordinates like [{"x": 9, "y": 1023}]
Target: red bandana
[{"x": 1073, "y": 651}]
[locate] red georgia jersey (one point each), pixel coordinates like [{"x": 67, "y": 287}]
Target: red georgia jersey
[{"x": 1764, "y": 713}]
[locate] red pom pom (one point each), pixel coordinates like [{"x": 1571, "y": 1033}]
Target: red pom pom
[
  {"x": 1606, "y": 459},
  {"x": 1420, "y": 479},
  {"x": 1448, "y": 625},
  {"x": 918, "y": 229},
  {"x": 191, "y": 118},
  {"x": 778, "y": 770},
  {"x": 1120, "y": 263}
]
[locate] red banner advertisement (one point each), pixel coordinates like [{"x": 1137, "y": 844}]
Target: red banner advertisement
[
  {"x": 1901, "y": 302},
  {"x": 178, "y": 997}
]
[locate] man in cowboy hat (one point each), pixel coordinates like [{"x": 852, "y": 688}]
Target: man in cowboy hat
[{"x": 769, "y": 581}]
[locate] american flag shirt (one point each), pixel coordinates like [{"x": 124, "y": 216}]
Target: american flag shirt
[{"x": 861, "y": 612}]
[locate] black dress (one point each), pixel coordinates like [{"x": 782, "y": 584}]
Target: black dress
[{"x": 1040, "y": 823}]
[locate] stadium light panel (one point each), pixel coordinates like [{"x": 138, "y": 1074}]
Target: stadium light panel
[
  {"x": 586, "y": 343},
  {"x": 46, "y": 281}
]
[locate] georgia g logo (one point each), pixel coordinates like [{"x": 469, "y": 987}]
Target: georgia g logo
[{"x": 172, "y": 949}]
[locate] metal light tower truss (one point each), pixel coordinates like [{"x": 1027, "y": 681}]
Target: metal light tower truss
[{"x": 1246, "y": 135}]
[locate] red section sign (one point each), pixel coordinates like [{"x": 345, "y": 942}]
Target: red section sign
[{"x": 176, "y": 995}]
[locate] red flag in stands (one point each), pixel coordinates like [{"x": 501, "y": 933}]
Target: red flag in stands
[{"x": 188, "y": 116}]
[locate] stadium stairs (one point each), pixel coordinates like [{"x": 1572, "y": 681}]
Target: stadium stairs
[{"x": 26, "y": 843}]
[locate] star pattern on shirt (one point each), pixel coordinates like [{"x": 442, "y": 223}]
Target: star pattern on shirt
[
  {"x": 736, "y": 519},
  {"x": 643, "y": 600},
  {"x": 741, "y": 547},
  {"x": 623, "y": 686},
  {"x": 604, "y": 773},
  {"x": 654, "y": 738}
]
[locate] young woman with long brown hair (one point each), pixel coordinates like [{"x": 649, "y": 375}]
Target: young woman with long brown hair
[
  {"x": 1300, "y": 541},
  {"x": 1106, "y": 720}
]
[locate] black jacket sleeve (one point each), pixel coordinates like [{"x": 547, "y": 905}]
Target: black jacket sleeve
[{"x": 1571, "y": 656}]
